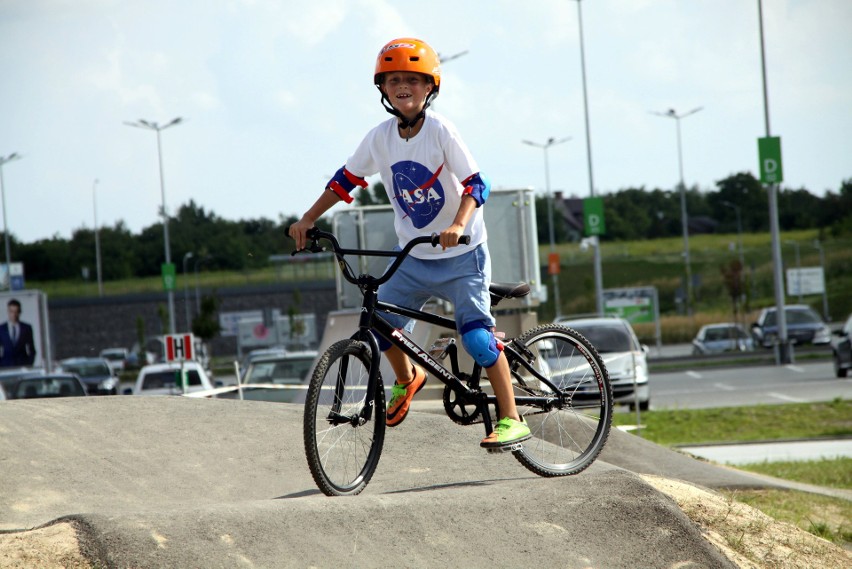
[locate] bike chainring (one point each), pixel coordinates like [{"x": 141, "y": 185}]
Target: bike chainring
[{"x": 461, "y": 412}]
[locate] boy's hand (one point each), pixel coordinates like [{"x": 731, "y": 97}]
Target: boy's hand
[
  {"x": 298, "y": 231},
  {"x": 450, "y": 236}
]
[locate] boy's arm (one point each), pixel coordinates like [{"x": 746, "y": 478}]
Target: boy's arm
[
  {"x": 450, "y": 236},
  {"x": 298, "y": 230}
]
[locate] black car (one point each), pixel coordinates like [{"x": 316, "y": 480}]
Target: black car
[
  {"x": 95, "y": 373},
  {"x": 842, "y": 349},
  {"x": 33, "y": 386},
  {"x": 804, "y": 326}
]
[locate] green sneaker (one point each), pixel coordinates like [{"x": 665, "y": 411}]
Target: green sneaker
[{"x": 506, "y": 433}]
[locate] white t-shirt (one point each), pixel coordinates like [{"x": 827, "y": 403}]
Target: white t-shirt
[{"x": 422, "y": 177}]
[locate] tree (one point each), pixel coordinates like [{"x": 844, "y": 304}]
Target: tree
[
  {"x": 206, "y": 324},
  {"x": 732, "y": 275},
  {"x": 375, "y": 195}
]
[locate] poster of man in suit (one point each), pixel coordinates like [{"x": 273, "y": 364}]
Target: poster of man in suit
[{"x": 20, "y": 333}]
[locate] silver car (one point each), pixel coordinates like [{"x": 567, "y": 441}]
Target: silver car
[{"x": 625, "y": 358}]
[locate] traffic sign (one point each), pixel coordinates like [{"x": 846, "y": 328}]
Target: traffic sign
[
  {"x": 179, "y": 347},
  {"x": 593, "y": 216},
  {"x": 169, "y": 276},
  {"x": 553, "y": 264},
  {"x": 769, "y": 151}
]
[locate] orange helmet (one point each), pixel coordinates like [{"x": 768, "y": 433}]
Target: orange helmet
[{"x": 408, "y": 54}]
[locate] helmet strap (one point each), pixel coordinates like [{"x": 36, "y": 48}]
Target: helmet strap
[{"x": 404, "y": 122}]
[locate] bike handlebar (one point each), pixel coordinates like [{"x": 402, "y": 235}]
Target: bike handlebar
[{"x": 315, "y": 234}]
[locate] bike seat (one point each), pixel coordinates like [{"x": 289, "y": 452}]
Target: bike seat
[{"x": 500, "y": 291}]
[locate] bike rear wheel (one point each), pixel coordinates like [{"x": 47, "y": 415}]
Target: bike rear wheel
[
  {"x": 567, "y": 437},
  {"x": 342, "y": 449}
]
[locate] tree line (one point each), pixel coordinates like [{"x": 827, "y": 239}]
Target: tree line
[{"x": 220, "y": 244}]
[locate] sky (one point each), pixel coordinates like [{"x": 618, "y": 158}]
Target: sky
[{"x": 275, "y": 95}]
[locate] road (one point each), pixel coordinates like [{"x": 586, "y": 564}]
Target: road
[{"x": 726, "y": 387}]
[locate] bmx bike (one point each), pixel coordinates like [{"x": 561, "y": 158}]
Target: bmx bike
[{"x": 560, "y": 383}]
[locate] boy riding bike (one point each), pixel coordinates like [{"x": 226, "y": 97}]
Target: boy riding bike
[{"x": 421, "y": 160}]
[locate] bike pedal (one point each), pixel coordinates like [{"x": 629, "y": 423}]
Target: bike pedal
[{"x": 507, "y": 448}]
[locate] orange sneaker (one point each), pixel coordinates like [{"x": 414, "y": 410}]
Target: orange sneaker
[{"x": 401, "y": 396}]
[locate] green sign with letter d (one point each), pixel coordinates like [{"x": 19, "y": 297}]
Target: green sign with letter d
[
  {"x": 593, "y": 216},
  {"x": 769, "y": 152},
  {"x": 169, "y": 276}
]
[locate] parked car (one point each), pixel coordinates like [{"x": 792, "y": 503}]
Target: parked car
[
  {"x": 842, "y": 349},
  {"x": 165, "y": 379},
  {"x": 95, "y": 373},
  {"x": 48, "y": 385},
  {"x": 804, "y": 326},
  {"x": 9, "y": 376},
  {"x": 258, "y": 354},
  {"x": 276, "y": 378},
  {"x": 723, "y": 337},
  {"x": 625, "y": 358},
  {"x": 116, "y": 358}
]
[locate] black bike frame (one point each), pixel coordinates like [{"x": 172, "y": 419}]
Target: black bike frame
[{"x": 371, "y": 321}]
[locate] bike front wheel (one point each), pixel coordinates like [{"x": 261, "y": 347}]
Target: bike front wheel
[
  {"x": 571, "y": 428},
  {"x": 343, "y": 443}
]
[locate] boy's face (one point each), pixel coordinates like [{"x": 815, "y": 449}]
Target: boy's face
[{"x": 407, "y": 91}]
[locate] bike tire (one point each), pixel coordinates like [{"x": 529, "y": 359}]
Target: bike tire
[
  {"x": 565, "y": 440},
  {"x": 343, "y": 456}
]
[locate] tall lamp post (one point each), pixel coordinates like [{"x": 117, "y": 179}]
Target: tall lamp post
[
  {"x": 97, "y": 239},
  {"x": 736, "y": 209},
  {"x": 684, "y": 219},
  {"x": 150, "y": 125},
  {"x": 554, "y": 276},
  {"x": 818, "y": 247},
  {"x": 597, "y": 249},
  {"x": 186, "y": 257},
  {"x": 795, "y": 245},
  {"x": 4, "y": 160}
]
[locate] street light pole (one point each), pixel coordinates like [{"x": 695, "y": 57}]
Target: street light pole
[
  {"x": 97, "y": 239},
  {"x": 784, "y": 349},
  {"x": 4, "y": 160},
  {"x": 186, "y": 256},
  {"x": 736, "y": 209},
  {"x": 597, "y": 249},
  {"x": 554, "y": 276},
  {"x": 150, "y": 125},
  {"x": 818, "y": 247},
  {"x": 795, "y": 245},
  {"x": 684, "y": 219}
]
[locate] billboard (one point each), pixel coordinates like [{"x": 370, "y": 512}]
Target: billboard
[
  {"x": 11, "y": 276},
  {"x": 23, "y": 329}
]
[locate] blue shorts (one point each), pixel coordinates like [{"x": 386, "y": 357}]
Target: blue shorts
[{"x": 462, "y": 280}]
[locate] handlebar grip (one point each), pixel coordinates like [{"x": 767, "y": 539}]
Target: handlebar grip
[{"x": 436, "y": 240}]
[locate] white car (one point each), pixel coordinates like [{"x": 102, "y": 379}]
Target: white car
[
  {"x": 625, "y": 358},
  {"x": 166, "y": 379},
  {"x": 116, "y": 358}
]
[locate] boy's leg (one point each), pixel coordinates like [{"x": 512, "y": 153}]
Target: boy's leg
[
  {"x": 409, "y": 380},
  {"x": 501, "y": 382},
  {"x": 510, "y": 428}
]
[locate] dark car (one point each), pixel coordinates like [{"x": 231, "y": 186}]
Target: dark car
[
  {"x": 34, "y": 386},
  {"x": 804, "y": 326},
  {"x": 842, "y": 349},
  {"x": 95, "y": 373}
]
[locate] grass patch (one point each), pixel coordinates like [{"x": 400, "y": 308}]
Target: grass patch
[
  {"x": 834, "y": 473},
  {"x": 761, "y": 422},
  {"x": 823, "y": 516}
]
